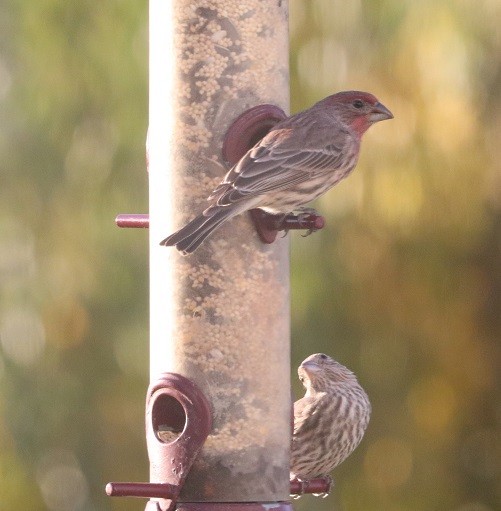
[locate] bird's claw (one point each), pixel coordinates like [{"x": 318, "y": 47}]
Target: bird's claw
[
  {"x": 304, "y": 220},
  {"x": 328, "y": 483},
  {"x": 308, "y": 232},
  {"x": 302, "y": 486},
  {"x": 268, "y": 225}
]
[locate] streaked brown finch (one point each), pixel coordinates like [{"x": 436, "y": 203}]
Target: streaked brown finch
[{"x": 329, "y": 421}]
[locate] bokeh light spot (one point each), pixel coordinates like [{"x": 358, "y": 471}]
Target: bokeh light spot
[
  {"x": 398, "y": 196},
  {"x": 62, "y": 482},
  {"x": 22, "y": 336},
  {"x": 432, "y": 402},
  {"x": 67, "y": 323}
]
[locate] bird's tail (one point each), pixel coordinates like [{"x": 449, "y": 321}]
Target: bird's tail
[{"x": 189, "y": 238}]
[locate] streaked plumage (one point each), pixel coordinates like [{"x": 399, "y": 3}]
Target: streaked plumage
[
  {"x": 329, "y": 421},
  {"x": 300, "y": 159}
]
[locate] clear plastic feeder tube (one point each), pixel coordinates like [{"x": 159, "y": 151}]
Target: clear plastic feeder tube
[{"x": 221, "y": 315}]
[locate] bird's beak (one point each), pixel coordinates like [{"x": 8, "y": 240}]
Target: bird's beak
[
  {"x": 310, "y": 367},
  {"x": 379, "y": 113}
]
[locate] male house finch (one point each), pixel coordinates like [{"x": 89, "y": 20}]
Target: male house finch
[
  {"x": 301, "y": 158},
  {"x": 329, "y": 421}
]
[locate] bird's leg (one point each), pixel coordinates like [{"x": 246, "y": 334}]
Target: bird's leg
[
  {"x": 303, "y": 218},
  {"x": 268, "y": 225},
  {"x": 308, "y": 218},
  {"x": 304, "y": 214},
  {"x": 282, "y": 223}
]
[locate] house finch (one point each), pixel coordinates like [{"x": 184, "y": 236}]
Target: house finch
[
  {"x": 329, "y": 421},
  {"x": 301, "y": 158}
]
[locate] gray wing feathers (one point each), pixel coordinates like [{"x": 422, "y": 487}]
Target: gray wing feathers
[{"x": 266, "y": 168}]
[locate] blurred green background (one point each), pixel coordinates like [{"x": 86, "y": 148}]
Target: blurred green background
[{"x": 403, "y": 286}]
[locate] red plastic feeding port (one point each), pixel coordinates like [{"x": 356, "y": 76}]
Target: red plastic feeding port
[
  {"x": 178, "y": 420},
  {"x": 248, "y": 129}
]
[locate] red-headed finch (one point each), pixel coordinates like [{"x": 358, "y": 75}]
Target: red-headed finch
[
  {"x": 329, "y": 421},
  {"x": 301, "y": 158}
]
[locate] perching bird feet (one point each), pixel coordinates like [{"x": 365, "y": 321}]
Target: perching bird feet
[
  {"x": 307, "y": 217},
  {"x": 328, "y": 483},
  {"x": 297, "y": 488},
  {"x": 319, "y": 487},
  {"x": 268, "y": 225}
]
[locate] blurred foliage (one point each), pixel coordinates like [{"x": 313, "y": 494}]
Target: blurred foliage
[{"x": 403, "y": 286}]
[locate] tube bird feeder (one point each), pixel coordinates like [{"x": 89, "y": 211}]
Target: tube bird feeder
[
  {"x": 219, "y": 318},
  {"x": 218, "y": 408}
]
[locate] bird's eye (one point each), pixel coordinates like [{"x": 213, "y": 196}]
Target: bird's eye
[
  {"x": 301, "y": 379},
  {"x": 323, "y": 356},
  {"x": 358, "y": 103}
]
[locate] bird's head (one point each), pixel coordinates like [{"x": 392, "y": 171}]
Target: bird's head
[
  {"x": 319, "y": 372},
  {"x": 359, "y": 110}
]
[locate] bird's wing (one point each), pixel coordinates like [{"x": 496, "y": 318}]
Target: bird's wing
[
  {"x": 284, "y": 158},
  {"x": 307, "y": 414}
]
